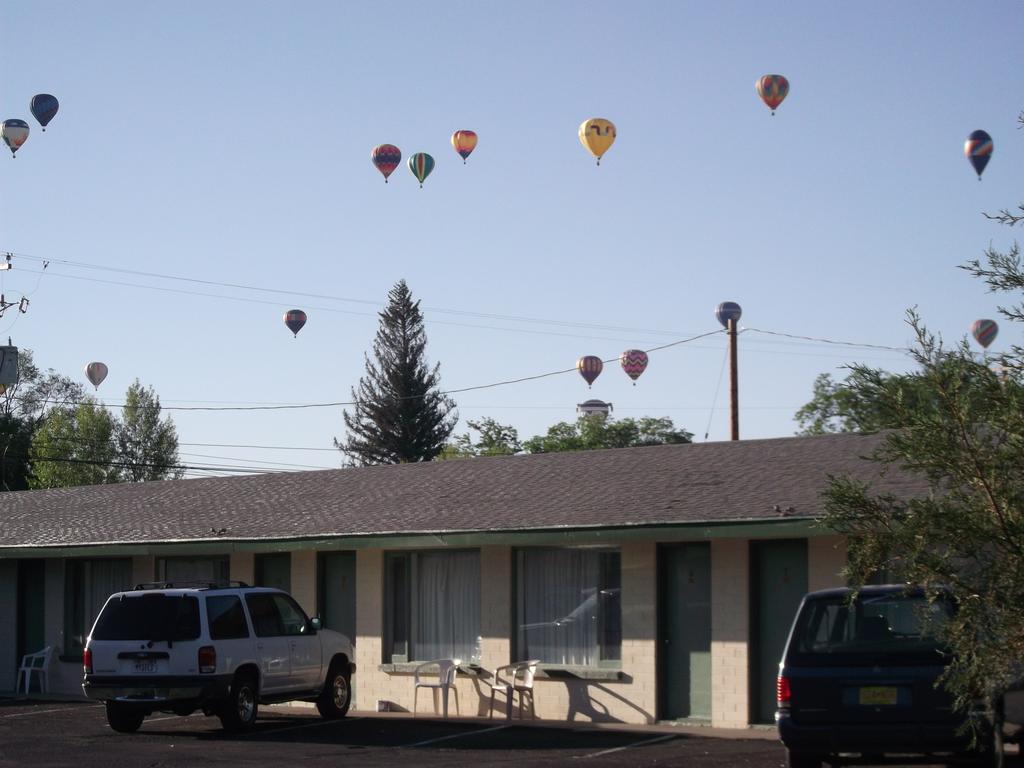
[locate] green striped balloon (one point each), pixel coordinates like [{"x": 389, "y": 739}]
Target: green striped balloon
[{"x": 421, "y": 164}]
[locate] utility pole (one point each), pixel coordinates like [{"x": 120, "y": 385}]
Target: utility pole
[
  {"x": 728, "y": 314},
  {"x": 734, "y": 387}
]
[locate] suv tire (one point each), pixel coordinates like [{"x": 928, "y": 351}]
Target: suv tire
[
  {"x": 336, "y": 697},
  {"x": 802, "y": 760},
  {"x": 124, "y": 718},
  {"x": 238, "y": 711}
]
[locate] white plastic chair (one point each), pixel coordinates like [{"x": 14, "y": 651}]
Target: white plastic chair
[
  {"x": 447, "y": 670},
  {"x": 38, "y": 663},
  {"x": 512, "y": 679}
]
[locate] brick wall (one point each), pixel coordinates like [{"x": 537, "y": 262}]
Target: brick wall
[
  {"x": 143, "y": 569},
  {"x": 369, "y": 683},
  {"x": 730, "y": 632},
  {"x": 304, "y": 579},
  {"x": 495, "y": 606},
  {"x": 242, "y": 567}
]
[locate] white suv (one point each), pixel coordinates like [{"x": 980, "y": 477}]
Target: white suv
[{"x": 224, "y": 650}]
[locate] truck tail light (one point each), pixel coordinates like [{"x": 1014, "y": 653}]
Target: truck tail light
[
  {"x": 783, "y": 694},
  {"x": 87, "y": 661},
  {"x": 207, "y": 660}
]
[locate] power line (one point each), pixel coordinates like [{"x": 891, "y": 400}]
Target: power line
[
  {"x": 264, "y": 447},
  {"x": 278, "y": 304},
  {"x": 212, "y": 468},
  {"x": 255, "y": 461},
  {"x": 714, "y": 399},
  {"x": 328, "y": 297},
  {"x": 339, "y": 403},
  {"x": 826, "y": 341},
  {"x": 370, "y": 302},
  {"x": 247, "y": 463},
  {"x": 505, "y": 382}
]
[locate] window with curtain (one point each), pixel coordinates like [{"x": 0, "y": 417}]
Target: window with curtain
[
  {"x": 432, "y": 606},
  {"x": 87, "y": 585},
  {"x": 568, "y": 606}
]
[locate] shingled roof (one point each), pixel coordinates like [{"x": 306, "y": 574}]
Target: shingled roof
[{"x": 750, "y": 480}]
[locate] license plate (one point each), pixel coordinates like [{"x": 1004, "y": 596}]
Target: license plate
[
  {"x": 879, "y": 696},
  {"x": 143, "y": 665}
]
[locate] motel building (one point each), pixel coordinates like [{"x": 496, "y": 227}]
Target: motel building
[{"x": 653, "y": 584}]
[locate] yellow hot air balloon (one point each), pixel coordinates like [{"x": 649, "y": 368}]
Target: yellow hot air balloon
[
  {"x": 464, "y": 143},
  {"x": 597, "y": 135}
]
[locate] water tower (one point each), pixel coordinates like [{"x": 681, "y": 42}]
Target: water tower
[{"x": 594, "y": 406}]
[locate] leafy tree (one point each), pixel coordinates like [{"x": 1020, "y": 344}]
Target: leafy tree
[
  {"x": 837, "y": 407},
  {"x": 495, "y": 440},
  {"x": 23, "y": 407},
  {"x": 36, "y": 392},
  {"x": 965, "y": 435},
  {"x": 75, "y": 446},
  {"x": 15, "y": 447},
  {"x": 147, "y": 448},
  {"x": 400, "y": 415},
  {"x": 594, "y": 431},
  {"x": 854, "y": 405}
]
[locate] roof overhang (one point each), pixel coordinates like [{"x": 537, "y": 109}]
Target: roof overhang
[{"x": 568, "y": 536}]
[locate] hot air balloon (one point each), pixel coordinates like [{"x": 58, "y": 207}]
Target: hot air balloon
[
  {"x": 984, "y": 331},
  {"x": 978, "y": 149},
  {"x": 1001, "y": 371},
  {"x": 295, "y": 319},
  {"x": 421, "y": 164},
  {"x": 15, "y": 132},
  {"x": 96, "y": 373},
  {"x": 633, "y": 362},
  {"x": 590, "y": 368},
  {"x": 386, "y": 157},
  {"x": 772, "y": 89},
  {"x": 597, "y": 135},
  {"x": 44, "y": 107},
  {"x": 464, "y": 143},
  {"x": 726, "y": 311}
]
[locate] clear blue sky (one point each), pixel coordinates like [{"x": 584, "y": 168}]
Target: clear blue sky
[{"x": 229, "y": 142}]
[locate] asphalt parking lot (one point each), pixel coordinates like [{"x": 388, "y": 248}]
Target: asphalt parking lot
[{"x": 76, "y": 735}]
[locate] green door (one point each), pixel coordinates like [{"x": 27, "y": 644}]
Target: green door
[
  {"x": 780, "y": 582},
  {"x": 337, "y": 604},
  {"x": 31, "y": 607},
  {"x": 684, "y": 647},
  {"x": 274, "y": 571}
]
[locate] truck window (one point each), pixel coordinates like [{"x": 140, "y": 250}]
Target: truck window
[
  {"x": 149, "y": 617},
  {"x": 909, "y": 626}
]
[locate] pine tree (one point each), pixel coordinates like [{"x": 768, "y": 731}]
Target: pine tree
[
  {"x": 147, "y": 448},
  {"x": 400, "y": 414}
]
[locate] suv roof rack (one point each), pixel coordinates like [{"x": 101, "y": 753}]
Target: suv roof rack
[{"x": 190, "y": 584}]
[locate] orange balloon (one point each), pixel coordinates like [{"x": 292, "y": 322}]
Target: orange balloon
[{"x": 464, "y": 143}]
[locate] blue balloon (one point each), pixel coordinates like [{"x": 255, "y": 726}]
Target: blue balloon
[
  {"x": 726, "y": 311},
  {"x": 44, "y": 107},
  {"x": 978, "y": 149}
]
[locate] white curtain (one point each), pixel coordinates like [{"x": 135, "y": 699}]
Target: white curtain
[
  {"x": 447, "y": 608},
  {"x": 100, "y": 579},
  {"x": 560, "y": 601}
]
